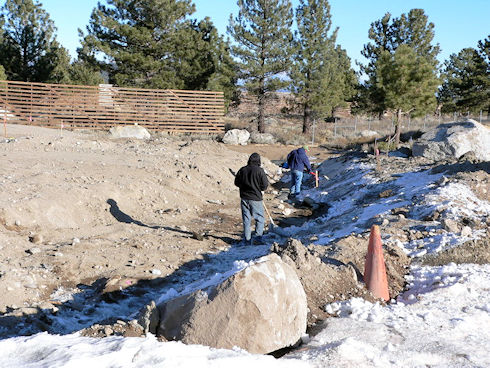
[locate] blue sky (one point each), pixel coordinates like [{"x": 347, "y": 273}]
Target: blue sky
[{"x": 458, "y": 24}]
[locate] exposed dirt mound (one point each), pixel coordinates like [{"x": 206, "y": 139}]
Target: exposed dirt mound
[
  {"x": 335, "y": 273},
  {"x": 473, "y": 251}
]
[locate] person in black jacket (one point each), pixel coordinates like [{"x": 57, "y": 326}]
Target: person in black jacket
[{"x": 252, "y": 181}]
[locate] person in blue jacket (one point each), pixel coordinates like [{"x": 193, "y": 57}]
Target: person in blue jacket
[{"x": 297, "y": 161}]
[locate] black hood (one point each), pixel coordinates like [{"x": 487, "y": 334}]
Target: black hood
[{"x": 254, "y": 159}]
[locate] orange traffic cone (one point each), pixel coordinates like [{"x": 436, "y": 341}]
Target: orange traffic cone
[{"x": 374, "y": 268}]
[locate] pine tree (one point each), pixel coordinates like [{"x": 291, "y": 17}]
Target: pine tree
[
  {"x": 262, "y": 32},
  {"x": 322, "y": 78},
  {"x": 466, "y": 78},
  {"x": 151, "y": 44},
  {"x": 384, "y": 92},
  {"x": 407, "y": 82},
  {"x": 84, "y": 74},
  {"x": 28, "y": 48},
  {"x": 225, "y": 75}
]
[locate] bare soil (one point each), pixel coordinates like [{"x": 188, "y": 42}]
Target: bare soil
[{"x": 81, "y": 208}]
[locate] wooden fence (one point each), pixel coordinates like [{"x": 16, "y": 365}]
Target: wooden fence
[{"x": 105, "y": 106}]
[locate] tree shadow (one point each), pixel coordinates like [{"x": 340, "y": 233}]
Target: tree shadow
[{"x": 465, "y": 166}]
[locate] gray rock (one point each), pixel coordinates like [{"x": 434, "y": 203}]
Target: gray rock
[
  {"x": 450, "y": 225},
  {"x": 129, "y": 131},
  {"x": 262, "y": 138},
  {"x": 368, "y": 134},
  {"x": 149, "y": 317},
  {"x": 453, "y": 140},
  {"x": 260, "y": 309},
  {"x": 236, "y": 136}
]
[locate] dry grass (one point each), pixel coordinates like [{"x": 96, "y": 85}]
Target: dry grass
[{"x": 287, "y": 128}]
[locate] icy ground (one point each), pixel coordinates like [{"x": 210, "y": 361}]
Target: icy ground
[{"x": 442, "y": 320}]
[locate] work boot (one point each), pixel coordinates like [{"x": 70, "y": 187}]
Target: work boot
[{"x": 244, "y": 242}]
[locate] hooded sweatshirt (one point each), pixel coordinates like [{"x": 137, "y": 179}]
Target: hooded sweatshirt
[
  {"x": 298, "y": 160},
  {"x": 251, "y": 179}
]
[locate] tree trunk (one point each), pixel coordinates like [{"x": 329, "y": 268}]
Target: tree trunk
[
  {"x": 398, "y": 127},
  {"x": 261, "y": 96},
  {"x": 306, "y": 119}
]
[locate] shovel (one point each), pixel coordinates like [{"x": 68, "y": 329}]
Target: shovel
[{"x": 272, "y": 226}]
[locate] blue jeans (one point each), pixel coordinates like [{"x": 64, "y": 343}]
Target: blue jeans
[
  {"x": 296, "y": 180},
  {"x": 251, "y": 209}
]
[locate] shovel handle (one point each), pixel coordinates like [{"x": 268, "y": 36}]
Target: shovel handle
[{"x": 268, "y": 214}]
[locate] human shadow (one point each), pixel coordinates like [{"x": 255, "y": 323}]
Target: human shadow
[{"x": 120, "y": 216}]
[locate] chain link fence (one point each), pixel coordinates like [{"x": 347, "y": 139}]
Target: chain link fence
[{"x": 362, "y": 126}]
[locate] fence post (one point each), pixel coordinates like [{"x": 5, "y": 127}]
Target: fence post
[
  {"x": 334, "y": 127},
  {"x": 313, "y": 135},
  {"x": 5, "y": 120}
]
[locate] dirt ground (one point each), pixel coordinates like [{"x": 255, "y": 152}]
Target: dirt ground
[{"x": 77, "y": 207}]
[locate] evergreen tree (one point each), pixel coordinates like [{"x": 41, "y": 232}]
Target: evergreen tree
[
  {"x": 466, "y": 78},
  {"x": 3, "y": 76},
  {"x": 321, "y": 76},
  {"x": 28, "y": 49},
  {"x": 262, "y": 32},
  {"x": 151, "y": 44},
  {"x": 84, "y": 74},
  {"x": 407, "y": 82},
  {"x": 225, "y": 70},
  {"x": 137, "y": 41},
  {"x": 415, "y": 34}
]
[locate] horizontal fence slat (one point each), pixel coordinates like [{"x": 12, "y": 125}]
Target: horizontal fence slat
[{"x": 106, "y": 106}]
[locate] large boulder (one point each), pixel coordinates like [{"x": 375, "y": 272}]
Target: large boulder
[
  {"x": 236, "y": 136},
  {"x": 453, "y": 140},
  {"x": 129, "y": 131},
  {"x": 262, "y": 138},
  {"x": 260, "y": 309}
]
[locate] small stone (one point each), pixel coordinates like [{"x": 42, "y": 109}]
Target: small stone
[
  {"x": 75, "y": 241},
  {"x": 28, "y": 311},
  {"x": 385, "y": 194},
  {"x": 197, "y": 236},
  {"x": 450, "y": 225},
  {"x": 33, "y": 251},
  {"x": 156, "y": 271},
  {"x": 466, "y": 231},
  {"x": 108, "y": 331},
  {"x": 36, "y": 238}
]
